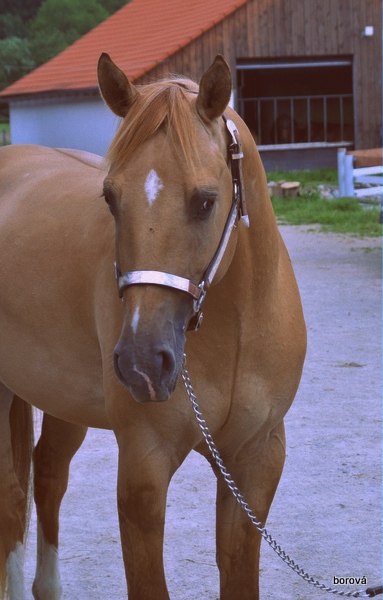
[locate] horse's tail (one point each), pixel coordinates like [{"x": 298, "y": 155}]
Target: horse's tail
[{"x": 21, "y": 425}]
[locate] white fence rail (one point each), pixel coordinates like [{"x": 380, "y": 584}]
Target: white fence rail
[{"x": 348, "y": 177}]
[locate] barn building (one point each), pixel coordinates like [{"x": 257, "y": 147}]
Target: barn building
[{"x": 307, "y": 74}]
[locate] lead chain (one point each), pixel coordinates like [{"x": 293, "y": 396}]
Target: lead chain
[{"x": 240, "y": 499}]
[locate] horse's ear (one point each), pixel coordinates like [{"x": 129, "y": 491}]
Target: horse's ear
[
  {"x": 214, "y": 90},
  {"x": 116, "y": 90}
]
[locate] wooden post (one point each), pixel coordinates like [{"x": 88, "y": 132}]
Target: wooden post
[{"x": 290, "y": 189}]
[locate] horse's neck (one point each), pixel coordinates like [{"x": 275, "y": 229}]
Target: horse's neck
[
  {"x": 261, "y": 243},
  {"x": 252, "y": 277}
]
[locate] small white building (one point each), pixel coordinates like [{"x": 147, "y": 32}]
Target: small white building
[{"x": 72, "y": 121}]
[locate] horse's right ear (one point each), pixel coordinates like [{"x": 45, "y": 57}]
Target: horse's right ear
[
  {"x": 116, "y": 90},
  {"x": 214, "y": 90}
]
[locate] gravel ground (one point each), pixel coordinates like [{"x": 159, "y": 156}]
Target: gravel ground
[{"x": 327, "y": 511}]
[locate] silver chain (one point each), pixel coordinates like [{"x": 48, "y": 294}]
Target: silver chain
[{"x": 240, "y": 499}]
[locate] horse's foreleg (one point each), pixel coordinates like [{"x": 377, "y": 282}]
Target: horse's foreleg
[
  {"x": 238, "y": 541},
  {"x": 57, "y": 445},
  {"x": 144, "y": 474}
]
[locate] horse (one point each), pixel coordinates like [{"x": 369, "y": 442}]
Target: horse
[{"x": 179, "y": 212}]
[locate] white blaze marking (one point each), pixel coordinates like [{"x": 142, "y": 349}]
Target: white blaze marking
[
  {"x": 136, "y": 318},
  {"x": 153, "y": 185}
]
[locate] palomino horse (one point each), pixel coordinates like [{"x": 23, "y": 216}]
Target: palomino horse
[{"x": 172, "y": 226}]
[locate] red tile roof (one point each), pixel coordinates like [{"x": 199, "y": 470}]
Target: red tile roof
[{"x": 138, "y": 36}]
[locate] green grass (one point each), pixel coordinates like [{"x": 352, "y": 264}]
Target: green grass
[
  {"x": 341, "y": 215},
  {"x": 306, "y": 178},
  {"x": 4, "y": 133}
]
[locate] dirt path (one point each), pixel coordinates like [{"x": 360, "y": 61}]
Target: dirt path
[{"x": 327, "y": 511}]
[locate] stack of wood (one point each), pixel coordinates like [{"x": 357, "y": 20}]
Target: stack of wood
[{"x": 284, "y": 189}]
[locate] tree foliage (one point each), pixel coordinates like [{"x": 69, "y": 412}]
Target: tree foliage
[
  {"x": 12, "y": 25},
  {"x": 26, "y": 9},
  {"x": 15, "y": 60},
  {"x": 59, "y": 23},
  {"x": 113, "y": 5},
  {"x": 33, "y": 31}
]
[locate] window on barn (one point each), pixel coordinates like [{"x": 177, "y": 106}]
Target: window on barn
[{"x": 300, "y": 102}]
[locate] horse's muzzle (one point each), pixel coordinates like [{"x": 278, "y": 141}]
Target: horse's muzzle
[{"x": 150, "y": 376}]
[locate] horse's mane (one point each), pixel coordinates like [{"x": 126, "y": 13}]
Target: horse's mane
[{"x": 164, "y": 104}]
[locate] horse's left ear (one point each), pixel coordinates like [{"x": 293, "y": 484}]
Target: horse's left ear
[
  {"x": 118, "y": 93},
  {"x": 214, "y": 90}
]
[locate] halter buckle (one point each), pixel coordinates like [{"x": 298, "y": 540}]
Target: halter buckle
[
  {"x": 195, "y": 321},
  {"x": 197, "y": 302}
]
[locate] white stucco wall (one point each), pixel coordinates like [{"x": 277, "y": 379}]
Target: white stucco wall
[{"x": 81, "y": 123}]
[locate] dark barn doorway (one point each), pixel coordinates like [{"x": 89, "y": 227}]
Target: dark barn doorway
[{"x": 300, "y": 105}]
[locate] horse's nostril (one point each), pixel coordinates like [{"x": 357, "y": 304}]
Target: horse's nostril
[
  {"x": 167, "y": 362},
  {"x": 116, "y": 366}
]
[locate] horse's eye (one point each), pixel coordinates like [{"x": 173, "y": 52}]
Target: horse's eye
[
  {"x": 206, "y": 207},
  {"x": 202, "y": 203}
]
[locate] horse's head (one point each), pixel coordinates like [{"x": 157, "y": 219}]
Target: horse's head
[{"x": 170, "y": 191}]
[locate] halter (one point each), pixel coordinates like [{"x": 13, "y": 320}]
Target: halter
[{"x": 238, "y": 210}]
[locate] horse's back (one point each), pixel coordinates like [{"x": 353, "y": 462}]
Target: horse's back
[
  {"x": 20, "y": 158},
  {"x": 35, "y": 151},
  {"x": 24, "y": 169}
]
